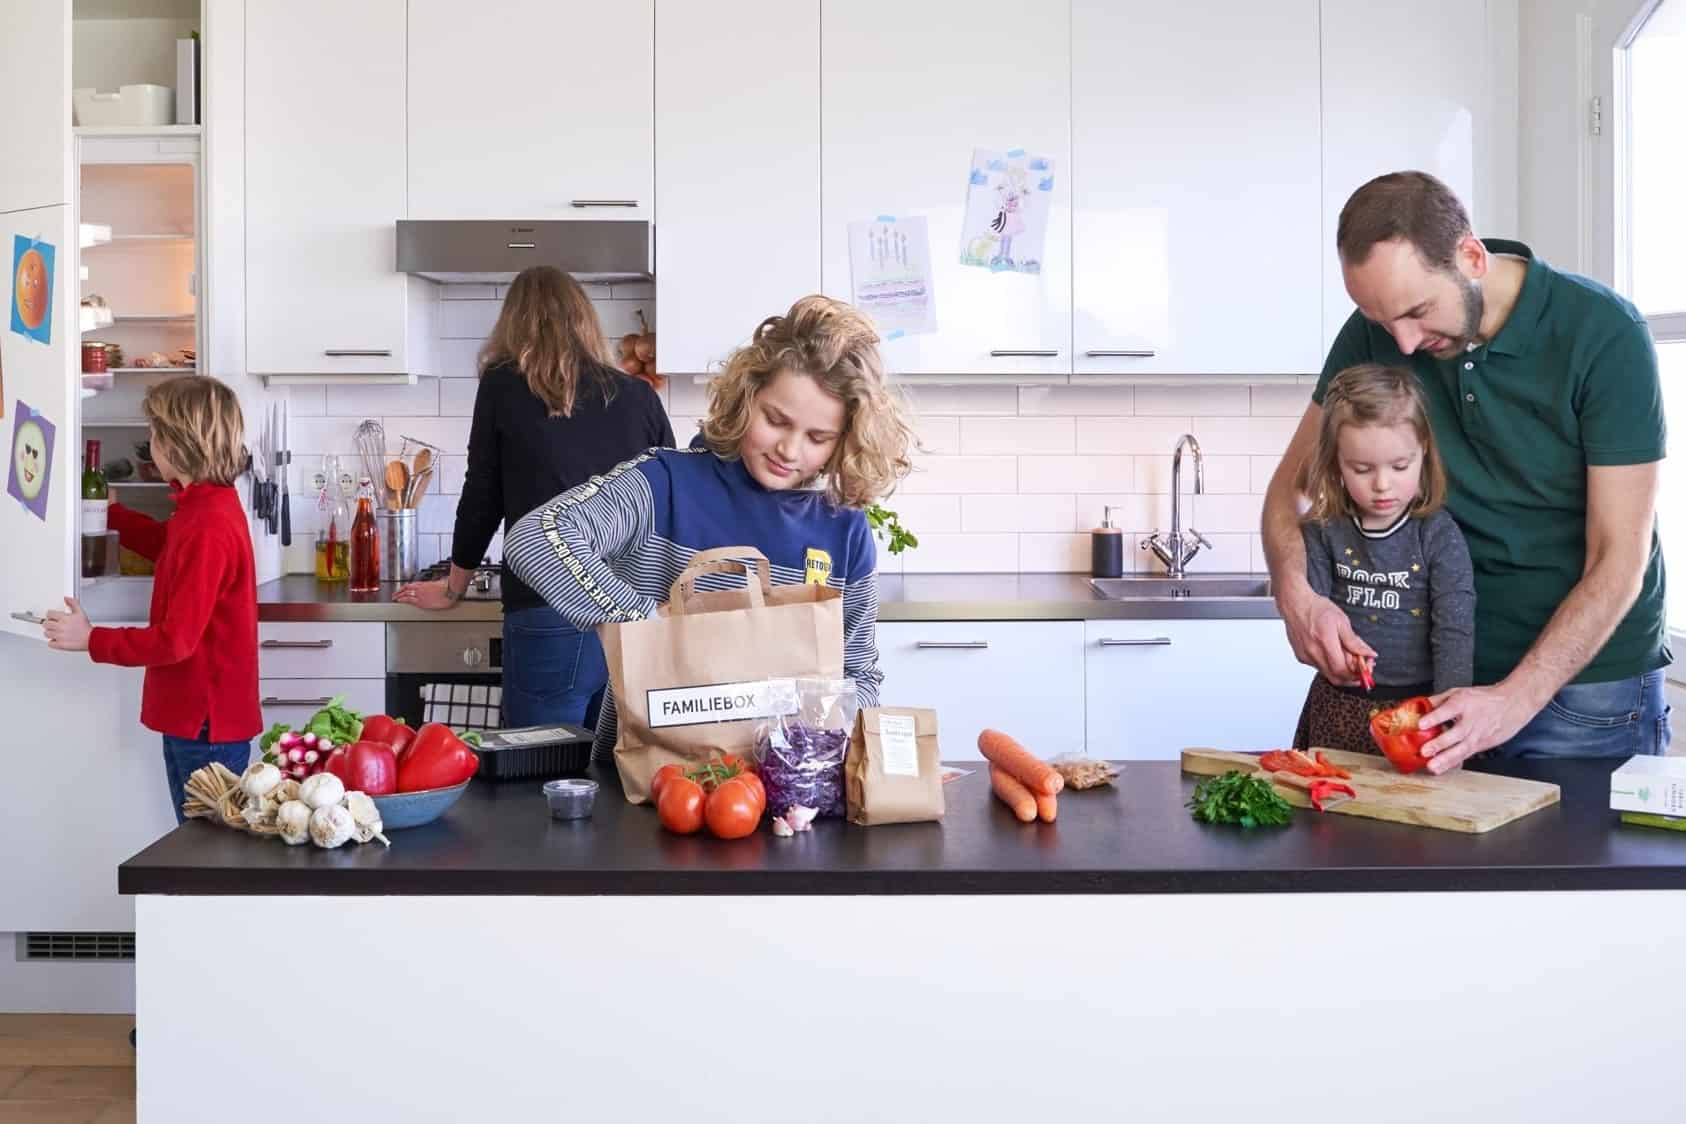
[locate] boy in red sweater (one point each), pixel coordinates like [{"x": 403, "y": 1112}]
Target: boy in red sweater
[{"x": 200, "y": 647}]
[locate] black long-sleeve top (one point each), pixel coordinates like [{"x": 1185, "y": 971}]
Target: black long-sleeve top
[{"x": 519, "y": 457}]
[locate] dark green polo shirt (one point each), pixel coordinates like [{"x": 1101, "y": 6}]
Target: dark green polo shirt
[{"x": 1569, "y": 382}]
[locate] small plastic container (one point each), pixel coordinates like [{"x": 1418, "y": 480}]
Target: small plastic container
[{"x": 570, "y": 798}]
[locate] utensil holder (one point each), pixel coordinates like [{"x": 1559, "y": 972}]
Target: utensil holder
[{"x": 399, "y": 561}]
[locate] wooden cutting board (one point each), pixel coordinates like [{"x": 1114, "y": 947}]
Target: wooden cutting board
[{"x": 1458, "y": 801}]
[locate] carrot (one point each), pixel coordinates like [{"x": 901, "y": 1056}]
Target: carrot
[
  {"x": 1028, "y": 769},
  {"x": 1013, "y": 794},
  {"x": 1047, "y": 807}
]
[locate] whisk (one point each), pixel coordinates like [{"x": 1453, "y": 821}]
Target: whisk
[{"x": 371, "y": 449}]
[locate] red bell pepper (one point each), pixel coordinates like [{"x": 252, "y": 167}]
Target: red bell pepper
[
  {"x": 1330, "y": 769},
  {"x": 388, "y": 731},
  {"x": 371, "y": 767},
  {"x": 1322, "y": 791},
  {"x": 1400, "y": 735},
  {"x": 437, "y": 758}
]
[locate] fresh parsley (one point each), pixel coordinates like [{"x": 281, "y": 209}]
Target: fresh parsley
[
  {"x": 1237, "y": 797},
  {"x": 887, "y": 524}
]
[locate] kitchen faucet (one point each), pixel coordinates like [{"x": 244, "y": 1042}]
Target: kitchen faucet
[{"x": 1178, "y": 548}]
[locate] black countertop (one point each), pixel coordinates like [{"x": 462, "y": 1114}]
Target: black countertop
[
  {"x": 1136, "y": 837},
  {"x": 904, "y": 597}
]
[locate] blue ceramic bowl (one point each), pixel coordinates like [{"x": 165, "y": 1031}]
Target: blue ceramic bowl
[{"x": 412, "y": 809}]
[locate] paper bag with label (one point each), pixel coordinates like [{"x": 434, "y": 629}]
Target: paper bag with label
[
  {"x": 892, "y": 773},
  {"x": 690, "y": 683}
]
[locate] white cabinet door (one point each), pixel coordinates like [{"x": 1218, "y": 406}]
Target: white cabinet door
[
  {"x": 1024, "y": 677},
  {"x": 737, "y": 168},
  {"x": 908, "y": 91},
  {"x": 1191, "y": 188},
  {"x": 1155, "y": 687},
  {"x": 293, "y": 701},
  {"x": 312, "y": 650},
  {"x": 324, "y": 187},
  {"x": 1417, "y": 105},
  {"x": 525, "y": 109},
  {"x": 40, "y": 330}
]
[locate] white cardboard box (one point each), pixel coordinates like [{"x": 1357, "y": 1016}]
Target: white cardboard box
[{"x": 1650, "y": 784}]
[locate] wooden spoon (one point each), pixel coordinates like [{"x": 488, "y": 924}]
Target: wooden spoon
[
  {"x": 418, "y": 488},
  {"x": 397, "y": 479},
  {"x": 422, "y": 461}
]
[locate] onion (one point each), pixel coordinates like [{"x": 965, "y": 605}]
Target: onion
[{"x": 645, "y": 349}]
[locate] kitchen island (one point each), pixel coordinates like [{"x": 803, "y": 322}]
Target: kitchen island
[{"x": 1123, "y": 962}]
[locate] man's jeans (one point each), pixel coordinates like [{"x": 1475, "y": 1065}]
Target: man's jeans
[{"x": 1618, "y": 719}]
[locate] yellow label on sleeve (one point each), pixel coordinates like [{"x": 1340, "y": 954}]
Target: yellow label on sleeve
[{"x": 817, "y": 570}]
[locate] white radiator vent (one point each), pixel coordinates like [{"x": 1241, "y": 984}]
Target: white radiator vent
[{"x": 76, "y": 946}]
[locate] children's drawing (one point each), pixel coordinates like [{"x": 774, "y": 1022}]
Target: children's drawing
[
  {"x": 890, "y": 271},
  {"x": 32, "y": 460},
  {"x": 32, "y": 288},
  {"x": 1007, "y": 204}
]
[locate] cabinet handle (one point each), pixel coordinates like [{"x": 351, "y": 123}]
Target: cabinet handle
[
  {"x": 295, "y": 644},
  {"x": 603, "y": 202},
  {"x": 1135, "y": 641},
  {"x": 354, "y": 352},
  {"x": 28, "y": 617},
  {"x": 272, "y": 701},
  {"x": 522, "y": 245},
  {"x": 1141, "y": 353},
  {"x": 1024, "y": 353},
  {"x": 966, "y": 645}
]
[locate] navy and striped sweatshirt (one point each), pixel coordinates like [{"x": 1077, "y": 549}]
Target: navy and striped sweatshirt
[{"x": 610, "y": 549}]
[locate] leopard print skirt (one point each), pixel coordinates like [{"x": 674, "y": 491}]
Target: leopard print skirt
[{"x": 1334, "y": 719}]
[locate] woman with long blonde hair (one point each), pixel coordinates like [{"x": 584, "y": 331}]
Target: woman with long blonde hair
[{"x": 550, "y": 414}]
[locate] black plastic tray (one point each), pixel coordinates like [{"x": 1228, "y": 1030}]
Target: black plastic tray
[{"x": 535, "y": 751}]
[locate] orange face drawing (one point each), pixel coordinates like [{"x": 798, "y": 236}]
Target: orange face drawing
[{"x": 30, "y": 290}]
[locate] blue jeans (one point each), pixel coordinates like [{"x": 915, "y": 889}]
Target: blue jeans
[
  {"x": 552, "y": 672},
  {"x": 1623, "y": 718},
  {"x": 182, "y": 756}
]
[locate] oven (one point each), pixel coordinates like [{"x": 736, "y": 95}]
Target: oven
[{"x": 445, "y": 671}]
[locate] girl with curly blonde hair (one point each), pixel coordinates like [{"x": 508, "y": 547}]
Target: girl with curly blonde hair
[{"x": 803, "y": 432}]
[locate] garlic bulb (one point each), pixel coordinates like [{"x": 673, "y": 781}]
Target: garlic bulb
[
  {"x": 366, "y": 817},
  {"x": 259, "y": 779},
  {"x": 294, "y": 818},
  {"x": 287, "y": 790},
  {"x": 332, "y": 825},
  {"x": 324, "y": 790}
]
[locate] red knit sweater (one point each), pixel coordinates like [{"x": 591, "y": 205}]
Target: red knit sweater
[{"x": 200, "y": 649}]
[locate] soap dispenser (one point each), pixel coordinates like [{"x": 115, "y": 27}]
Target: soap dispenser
[{"x": 1106, "y": 548}]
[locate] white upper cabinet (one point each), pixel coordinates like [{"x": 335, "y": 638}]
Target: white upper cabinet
[
  {"x": 1196, "y": 240},
  {"x": 1417, "y": 105},
  {"x": 325, "y": 187},
  {"x": 908, "y": 92},
  {"x": 40, "y": 341},
  {"x": 537, "y": 109},
  {"x": 737, "y": 171}
]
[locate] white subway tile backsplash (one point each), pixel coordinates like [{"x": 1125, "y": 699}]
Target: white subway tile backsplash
[
  {"x": 621, "y": 317},
  {"x": 449, "y": 434},
  {"x": 1018, "y": 512},
  {"x": 448, "y": 473},
  {"x": 307, "y": 401},
  {"x": 1075, "y": 474},
  {"x": 962, "y": 554},
  {"x": 687, "y": 396},
  {"x": 1060, "y": 554},
  {"x": 962, "y": 475},
  {"x": 1131, "y": 435},
  {"x": 929, "y": 400},
  {"x": 1077, "y": 401},
  {"x": 938, "y": 436},
  {"x": 1017, "y": 435},
  {"x": 324, "y": 435},
  {"x": 1280, "y": 400},
  {"x": 1228, "y": 554},
  {"x": 418, "y": 400},
  {"x": 468, "y": 320},
  {"x": 926, "y": 514},
  {"x": 1186, "y": 401},
  {"x": 1263, "y": 468},
  {"x": 1223, "y": 474},
  {"x": 460, "y": 359},
  {"x": 456, "y": 397},
  {"x": 1260, "y": 436},
  {"x": 1132, "y": 511},
  {"x": 436, "y": 515},
  {"x": 428, "y": 550},
  {"x": 684, "y": 428},
  {"x": 1224, "y": 513}
]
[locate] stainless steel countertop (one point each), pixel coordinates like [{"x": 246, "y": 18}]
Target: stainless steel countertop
[{"x": 910, "y": 597}]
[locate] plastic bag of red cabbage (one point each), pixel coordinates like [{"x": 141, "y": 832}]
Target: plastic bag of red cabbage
[{"x": 799, "y": 751}]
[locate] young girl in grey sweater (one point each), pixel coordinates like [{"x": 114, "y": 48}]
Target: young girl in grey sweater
[{"x": 1380, "y": 544}]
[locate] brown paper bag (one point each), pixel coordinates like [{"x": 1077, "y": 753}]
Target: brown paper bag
[
  {"x": 690, "y": 683},
  {"x": 893, "y": 773}
]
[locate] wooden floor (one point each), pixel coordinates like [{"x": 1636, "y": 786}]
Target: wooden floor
[{"x": 66, "y": 1069}]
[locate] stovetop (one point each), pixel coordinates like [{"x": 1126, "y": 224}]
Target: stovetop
[{"x": 486, "y": 585}]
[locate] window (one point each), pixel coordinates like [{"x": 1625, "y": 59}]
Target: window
[{"x": 1651, "y": 265}]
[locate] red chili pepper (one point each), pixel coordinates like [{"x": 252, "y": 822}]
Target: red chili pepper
[{"x": 1323, "y": 790}]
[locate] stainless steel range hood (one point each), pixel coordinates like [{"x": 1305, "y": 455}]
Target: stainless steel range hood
[{"x": 488, "y": 250}]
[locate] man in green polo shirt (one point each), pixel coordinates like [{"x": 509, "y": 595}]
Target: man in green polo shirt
[{"x": 1544, "y": 400}]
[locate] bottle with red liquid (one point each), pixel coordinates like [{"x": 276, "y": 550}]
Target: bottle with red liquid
[{"x": 365, "y": 544}]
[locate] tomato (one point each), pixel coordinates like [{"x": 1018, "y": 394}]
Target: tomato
[
  {"x": 680, "y": 806},
  {"x": 1399, "y": 736},
  {"x": 437, "y": 758},
  {"x": 390, "y": 732},
  {"x": 733, "y": 810},
  {"x": 663, "y": 775},
  {"x": 760, "y": 790}
]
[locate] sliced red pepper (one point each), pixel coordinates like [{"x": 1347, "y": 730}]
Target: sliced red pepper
[
  {"x": 1275, "y": 761},
  {"x": 1365, "y": 676},
  {"x": 1330, "y": 769},
  {"x": 1321, "y": 791}
]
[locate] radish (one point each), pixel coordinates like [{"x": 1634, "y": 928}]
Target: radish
[
  {"x": 296, "y": 755},
  {"x": 309, "y": 741},
  {"x": 323, "y": 745},
  {"x": 310, "y": 757}
]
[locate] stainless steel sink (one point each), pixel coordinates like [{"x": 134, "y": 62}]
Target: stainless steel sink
[{"x": 1186, "y": 588}]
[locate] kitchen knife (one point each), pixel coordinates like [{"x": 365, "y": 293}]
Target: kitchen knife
[
  {"x": 270, "y": 512},
  {"x": 282, "y": 460}
]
